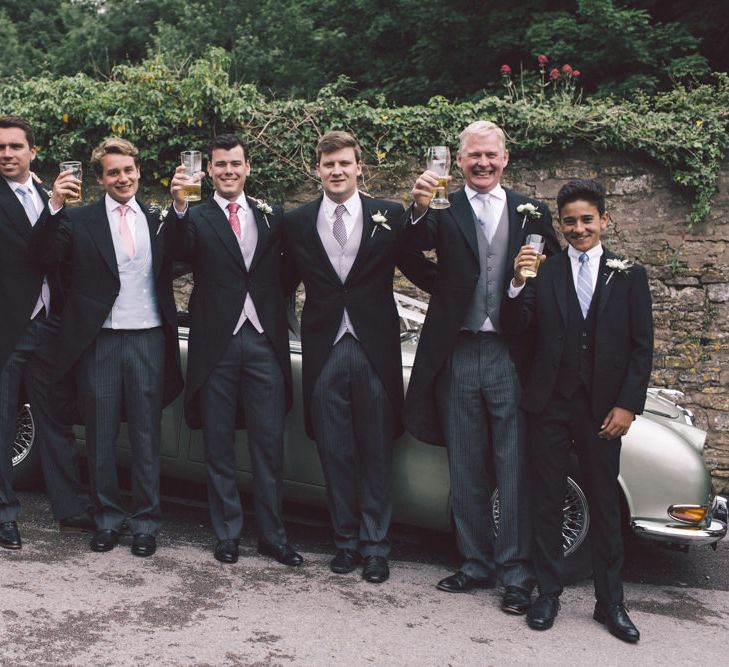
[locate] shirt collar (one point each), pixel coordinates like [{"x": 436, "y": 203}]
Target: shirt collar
[
  {"x": 592, "y": 253},
  {"x": 497, "y": 192},
  {"x": 112, "y": 204},
  {"x": 353, "y": 204},
  {"x": 28, "y": 185},
  {"x": 223, "y": 203}
]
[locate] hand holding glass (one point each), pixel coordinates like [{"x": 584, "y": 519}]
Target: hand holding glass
[
  {"x": 438, "y": 160},
  {"x": 192, "y": 161},
  {"x": 536, "y": 241},
  {"x": 76, "y": 172}
]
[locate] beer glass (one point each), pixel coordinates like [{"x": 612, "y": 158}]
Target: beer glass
[
  {"x": 192, "y": 161},
  {"x": 77, "y": 173},
  {"x": 536, "y": 241},
  {"x": 439, "y": 160}
]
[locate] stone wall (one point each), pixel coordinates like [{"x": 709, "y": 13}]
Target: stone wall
[{"x": 688, "y": 271}]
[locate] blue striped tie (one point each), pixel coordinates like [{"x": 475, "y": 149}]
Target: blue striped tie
[
  {"x": 584, "y": 284},
  {"x": 27, "y": 201}
]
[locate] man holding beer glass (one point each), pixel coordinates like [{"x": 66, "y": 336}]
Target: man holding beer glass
[{"x": 464, "y": 390}]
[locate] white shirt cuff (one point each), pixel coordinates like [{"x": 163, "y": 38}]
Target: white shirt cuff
[{"x": 514, "y": 292}]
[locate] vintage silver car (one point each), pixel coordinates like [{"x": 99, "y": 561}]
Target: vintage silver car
[{"x": 665, "y": 485}]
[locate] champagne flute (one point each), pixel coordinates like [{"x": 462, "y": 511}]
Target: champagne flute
[{"x": 438, "y": 160}]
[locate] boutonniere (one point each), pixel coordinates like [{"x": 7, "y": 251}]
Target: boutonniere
[
  {"x": 161, "y": 214},
  {"x": 530, "y": 213},
  {"x": 49, "y": 193},
  {"x": 618, "y": 266},
  {"x": 264, "y": 208},
  {"x": 380, "y": 220}
]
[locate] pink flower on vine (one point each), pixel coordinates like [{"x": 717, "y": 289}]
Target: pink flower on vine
[
  {"x": 567, "y": 69},
  {"x": 505, "y": 70},
  {"x": 554, "y": 74},
  {"x": 542, "y": 60}
]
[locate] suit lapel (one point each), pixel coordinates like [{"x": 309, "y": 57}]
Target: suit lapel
[
  {"x": 214, "y": 216},
  {"x": 14, "y": 210},
  {"x": 461, "y": 211},
  {"x": 264, "y": 232},
  {"x": 515, "y": 228},
  {"x": 100, "y": 232},
  {"x": 561, "y": 283},
  {"x": 313, "y": 240},
  {"x": 367, "y": 240},
  {"x": 152, "y": 227},
  {"x": 606, "y": 286}
]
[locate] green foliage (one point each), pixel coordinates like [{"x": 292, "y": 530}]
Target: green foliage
[
  {"x": 166, "y": 109},
  {"x": 408, "y": 50}
]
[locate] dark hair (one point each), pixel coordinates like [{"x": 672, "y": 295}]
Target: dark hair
[
  {"x": 22, "y": 123},
  {"x": 585, "y": 189},
  {"x": 112, "y": 146},
  {"x": 333, "y": 141},
  {"x": 228, "y": 142}
]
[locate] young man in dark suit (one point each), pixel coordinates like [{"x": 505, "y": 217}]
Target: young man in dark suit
[
  {"x": 464, "y": 391},
  {"x": 118, "y": 338},
  {"x": 588, "y": 380},
  {"x": 31, "y": 296},
  {"x": 239, "y": 368},
  {"x": 345, "y": 247}
]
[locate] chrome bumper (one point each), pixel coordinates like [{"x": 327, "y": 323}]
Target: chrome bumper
[{"x": 713, "y": 530}]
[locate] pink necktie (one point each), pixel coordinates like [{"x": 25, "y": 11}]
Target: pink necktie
[
  {"x": 233, "y": 218},
  {"x": 124, "y": 232}
]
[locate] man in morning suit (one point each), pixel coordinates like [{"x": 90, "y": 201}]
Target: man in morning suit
[
  {"x": 32, "y": 298},
  {"x": 239, "y": 369},
  {"x": 464, "y": 390},
  {"x": 118, "y": 338},
  {"x": 589, "y": 379},
  {"x": 345, "y": 247}
]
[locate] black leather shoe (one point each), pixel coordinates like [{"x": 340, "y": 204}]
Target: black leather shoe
[
  {"x": 516, "y": 600},
  {"x": 104, "y": 540},
  {"x": 226, "y": 551},
  {"x": 460, "y": 582},
  {"x": 10, "y": 535},
  {"x": 618, "y": 622},
  {"x": 283, "y": 553},
  {"x": 542, "y": 612},
  {"x": 344, "y": 561},
  {"x": 375, "y": 569},
  {"x": 79, "y": 523},
  {"x": 144, "y": 544}
]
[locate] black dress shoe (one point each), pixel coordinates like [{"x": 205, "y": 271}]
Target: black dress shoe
[
  {"x": 542, "y": 612},
  {"x": 226, "y": 551},
  {"x": 345, "y": 560},
  {"x": 283, "y": 553},
  {"x": 104, "y": 540},
  {"x": 615, "y": 616},
  {"x": 375, "y": 569},
  {"x": 144, "y": 544},
  {"x": 516, "y": 600},
  {"x": 10, "y": 535},
  {"x": 79, "y": 523},
  {"x": 460, "y": 582}
]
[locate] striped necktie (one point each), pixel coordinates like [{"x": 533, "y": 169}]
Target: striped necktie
[{"x": 584, "y": 284}]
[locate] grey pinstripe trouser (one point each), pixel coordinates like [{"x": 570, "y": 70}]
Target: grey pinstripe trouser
[{"x": 478, "y": 396}]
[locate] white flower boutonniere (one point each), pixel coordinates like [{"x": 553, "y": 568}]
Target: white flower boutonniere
[
  {"x": 530, "y": 213},
  {"x": 264, "y": 208},
  {"x": 161, "y": 214},
  {"x": 618, "y": 266},
  {"x": 49, "y": 193},
  {"x": 380, "y": 220}
]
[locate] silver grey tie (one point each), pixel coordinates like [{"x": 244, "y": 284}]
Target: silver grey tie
[
  {"x": 28, "y": 204},
  {"x": 338, "y": 229}
]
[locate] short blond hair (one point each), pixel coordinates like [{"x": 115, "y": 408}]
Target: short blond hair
[
  {"x": 335, "y": 140},
  {"x": 112, "y": 146},
  {"x": 481, "y": 128}
]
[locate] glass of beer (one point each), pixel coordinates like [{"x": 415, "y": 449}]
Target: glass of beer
[
  {"x": 77, "y": 173},
  {"x": 536, "y": 241},
  {"x": 192, "y": 161},
  {"x": 439, "y": 160}
]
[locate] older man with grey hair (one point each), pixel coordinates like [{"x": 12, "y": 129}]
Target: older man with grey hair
[{"x": 464, "y": 390}]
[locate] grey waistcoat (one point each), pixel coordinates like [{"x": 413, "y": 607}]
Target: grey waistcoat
[{"x": 486, "y": 300}]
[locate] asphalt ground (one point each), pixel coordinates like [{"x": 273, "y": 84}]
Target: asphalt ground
[{"x": 61, "y": 604}]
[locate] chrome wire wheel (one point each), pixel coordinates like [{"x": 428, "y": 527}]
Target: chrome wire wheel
[
  {"x": 24, "y": 435},
  {"x": 575, "y": 517}
]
